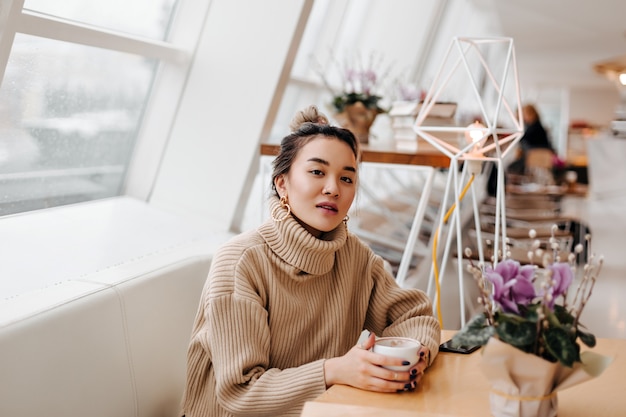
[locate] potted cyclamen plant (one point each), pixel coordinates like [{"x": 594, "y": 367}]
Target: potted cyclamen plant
[
  {"x": 356, "y": 103},
  {"x": 531, "y": 330}
]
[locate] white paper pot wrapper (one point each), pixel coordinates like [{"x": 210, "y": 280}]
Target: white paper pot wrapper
[{"x": 525, "y": 385}]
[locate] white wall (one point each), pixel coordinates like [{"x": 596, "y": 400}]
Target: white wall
[
  {"x": 461, "y": 18},
  {"x": 596, "y": 106},
  {"x": 397, "y": 30},
  {"x": 215, "y": 136}
]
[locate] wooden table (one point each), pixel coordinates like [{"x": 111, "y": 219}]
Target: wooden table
[
  {"x": 427, "y": 157},
  {"x": 455, "y": 385}
]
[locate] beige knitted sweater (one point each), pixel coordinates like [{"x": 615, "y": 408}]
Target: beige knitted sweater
[{"x": 276, "y": 304}]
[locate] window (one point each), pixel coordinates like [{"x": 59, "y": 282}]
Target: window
[
  {"x": 149, "y": 18},
  {"x": 73, "y": 96},
  {"x": 338, "y": 34}
]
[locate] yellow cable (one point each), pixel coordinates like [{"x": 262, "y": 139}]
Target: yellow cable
[{"x": 435, "y": 268}]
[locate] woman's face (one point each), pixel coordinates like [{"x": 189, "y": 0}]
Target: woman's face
[
  {"x": 528, "y": 115},
  {"x": 321, "y": 184}
]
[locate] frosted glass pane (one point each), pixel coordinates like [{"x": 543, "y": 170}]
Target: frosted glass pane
[
  {"x": 68, "y": 121},
  {"x": 148, "y": 18}
]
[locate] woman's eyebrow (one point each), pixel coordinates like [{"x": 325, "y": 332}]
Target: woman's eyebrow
[
  {"x": 319, "y": 160},
  {"x": 325, "y": 162}
]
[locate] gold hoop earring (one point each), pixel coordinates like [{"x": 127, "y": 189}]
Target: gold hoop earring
[{"x": 283, "y": 204}]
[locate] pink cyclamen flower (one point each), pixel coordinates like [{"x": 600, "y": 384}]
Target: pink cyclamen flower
[
  {"x": 562, "y": 277},
  {"x": 408, "y": 93},
  {"x": 369, "y": 76},
  {"x": 368, "y": 81},
  {"x": 512, "y": 284}
]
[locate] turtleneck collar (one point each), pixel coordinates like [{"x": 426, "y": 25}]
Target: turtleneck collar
[{"x": 299, "y": 248}]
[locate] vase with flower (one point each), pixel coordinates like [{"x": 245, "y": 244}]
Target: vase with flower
[
  {"x": 357, "y": 101},
  {"x": 531, "y": 330}
]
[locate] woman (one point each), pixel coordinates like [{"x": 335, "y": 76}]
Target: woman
[
  {"x": 284, "y": 305},
  {"x": 535, "y": 137}
]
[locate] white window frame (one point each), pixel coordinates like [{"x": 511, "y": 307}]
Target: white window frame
[{"x": 174, "y": 55}]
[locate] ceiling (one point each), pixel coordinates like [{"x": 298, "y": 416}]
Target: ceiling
[{"x": 558, "y": 42}]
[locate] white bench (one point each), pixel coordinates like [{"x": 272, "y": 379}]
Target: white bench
[{"x": 111, "y": 343}]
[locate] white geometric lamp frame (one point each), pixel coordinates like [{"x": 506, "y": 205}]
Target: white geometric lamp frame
[{"x": 473, "y": 60}]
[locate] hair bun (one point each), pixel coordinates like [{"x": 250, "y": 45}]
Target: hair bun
[{"x": 309, "y": 115}]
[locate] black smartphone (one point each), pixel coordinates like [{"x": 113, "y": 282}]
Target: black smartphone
[{"x": 449, "y": 347}]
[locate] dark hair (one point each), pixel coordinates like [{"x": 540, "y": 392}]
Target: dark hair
[
  {"x": 306, "y": 126},
  {"x": 531, "y": 111}
]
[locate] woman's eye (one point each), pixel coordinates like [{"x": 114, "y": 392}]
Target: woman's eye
[
  {"x": 347, "y": 180},
  {"x": 316, "y": 172}
]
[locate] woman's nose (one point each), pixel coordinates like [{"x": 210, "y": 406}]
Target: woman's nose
[{"x": 331, "y": 188}]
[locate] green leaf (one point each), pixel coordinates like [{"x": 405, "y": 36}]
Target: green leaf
[
  {"x": 561, "y": 346},
  {"x": 339, "y": 103},
  {"x": 476, "y": 332},
  {"x": 531, "y": 312},
  {"x": 563, "y": 315},
  {"x": 587, "y": 338},
  {"x": 516, "y": 331},
  {"x": 346, "y": 99}
]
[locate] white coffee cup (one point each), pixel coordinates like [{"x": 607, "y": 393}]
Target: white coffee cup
[{"x": 404, "y": 348}]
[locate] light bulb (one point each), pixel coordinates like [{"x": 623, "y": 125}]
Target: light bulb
[{"x": 475, "y": 133}]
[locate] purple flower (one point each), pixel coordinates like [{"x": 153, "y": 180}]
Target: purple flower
[
  {"x": 408, "y": 93},
  {"x": 512, "y": 284},
  {"x": 368, "y": 77},
  {"x": 368, "y": 81},
  {"x": 562, "y": 277}
]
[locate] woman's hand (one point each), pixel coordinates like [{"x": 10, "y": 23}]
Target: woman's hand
[{"x": 363, "y": 369}]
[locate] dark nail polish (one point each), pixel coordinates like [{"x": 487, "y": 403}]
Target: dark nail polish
[
  {"x": 405, "y": 363},
  {"x": 422, "y": 354},
  {"x": 413, "y": 372},
  {"x": 413, "y": 377},
  {"x": 407, "y": 386}
]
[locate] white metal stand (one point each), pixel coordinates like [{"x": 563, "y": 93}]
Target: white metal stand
[
  {"x": 473, "y": 59},
  {"x": 415, "y": 227}
]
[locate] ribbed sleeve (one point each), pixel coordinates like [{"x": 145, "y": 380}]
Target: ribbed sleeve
[
  {"x": 277, "y": 303},
  {"x": 394, "y": 311}
]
